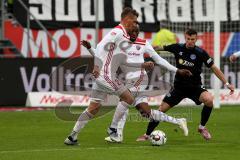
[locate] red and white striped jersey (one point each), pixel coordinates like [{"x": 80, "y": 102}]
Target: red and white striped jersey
[
  {"x": 117, "y": 50},
  {"x": 110, "y": 54}
]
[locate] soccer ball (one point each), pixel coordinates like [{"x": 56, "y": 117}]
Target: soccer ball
[{"x": 158, "y": 138}]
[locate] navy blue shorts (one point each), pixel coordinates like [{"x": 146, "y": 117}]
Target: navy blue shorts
[{"x": 177, "y": 94}]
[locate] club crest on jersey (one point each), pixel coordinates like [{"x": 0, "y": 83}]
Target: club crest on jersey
[
  {"x": 113, "y": 33},
  {"x": 193, "y": 56},
  {"x": 180, "y": 53},
  {"x": 138, "y": 47}
]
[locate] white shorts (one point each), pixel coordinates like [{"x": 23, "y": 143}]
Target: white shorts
[
  {"x": 100, "y": 91},
  {"x": 140, "y": 99},
  {"x": 136, "y": 90}
]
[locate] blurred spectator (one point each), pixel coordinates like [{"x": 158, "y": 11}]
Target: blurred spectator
[{"x": 164, "y": 37}]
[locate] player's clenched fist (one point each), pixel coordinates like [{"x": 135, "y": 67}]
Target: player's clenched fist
[
  {"x": 233, "y": 58},
  {"x": 148, "y": 65},
  {"x": 230, "y": 87},
  {"x": 85, "y": 44},
  {"x": 184, "y": 72}
]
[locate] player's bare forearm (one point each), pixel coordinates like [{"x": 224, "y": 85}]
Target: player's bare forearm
[
  {"x": 219, "y": 74},
  {"x": 96, "y": 71}
]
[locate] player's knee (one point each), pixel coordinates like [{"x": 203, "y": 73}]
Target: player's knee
[
  {"x": 208, "y": 101},
  {"x": 130, "y": 100},
  {"x": 93, "y": 111},
  {"x": 93, "y": 108}
]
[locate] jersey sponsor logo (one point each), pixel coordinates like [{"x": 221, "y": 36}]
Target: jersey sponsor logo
[
  {"x": 185, "y": 63},
  {"x": 180, "y": 61},
  {"x": 133, "y": 54},
  {"x": 193, "y": 56}
]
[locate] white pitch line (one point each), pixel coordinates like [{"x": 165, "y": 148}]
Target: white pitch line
[
  {"x": 70, "y": 149},
  {"x": 97, "y": 148}
]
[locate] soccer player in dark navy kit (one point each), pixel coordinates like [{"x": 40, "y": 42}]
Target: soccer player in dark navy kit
[{"x": 189, "y": 56}]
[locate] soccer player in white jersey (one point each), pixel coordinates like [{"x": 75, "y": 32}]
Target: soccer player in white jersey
[
  {"x": 234, "y": 56},
  {"x": 137, "y": 81},
  {"x": 109, "y": 56}
]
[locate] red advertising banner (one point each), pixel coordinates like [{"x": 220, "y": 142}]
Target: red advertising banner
[{"x": 68, "y": 41}]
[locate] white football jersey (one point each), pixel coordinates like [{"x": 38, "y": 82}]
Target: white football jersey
[
  {"x": 117, "y": 50},
  {"x": 110, "y": 55},
  {"x": 135, "y": 54},
  {"x": 136, "y": 78}
]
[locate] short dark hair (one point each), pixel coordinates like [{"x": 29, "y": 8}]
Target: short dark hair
[
  {"x": 126, "y": 11},
  {"x": 191, "y": 32}
]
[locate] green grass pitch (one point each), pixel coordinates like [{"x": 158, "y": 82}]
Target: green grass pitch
[{"x": 40, "y": 135}]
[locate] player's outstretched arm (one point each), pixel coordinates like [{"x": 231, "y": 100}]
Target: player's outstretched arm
[
  {"x": 146, "y": 65},
  {"x": 158, "y": 59},
  {"x": 92, "y": 51},
  {"x": 158, "y": 48},
  {"x": 220, "y": 75},
  {"x": 87, "y": 45},
  {"x": 164, "y": 63},
  {"x": 234, "y": 56}
]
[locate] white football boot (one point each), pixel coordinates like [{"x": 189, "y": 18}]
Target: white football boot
[
  {"x": 113, "y": 137},
  {"x": 70, "y": 141},
  {"x": 183, "y": 125}
]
